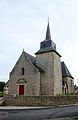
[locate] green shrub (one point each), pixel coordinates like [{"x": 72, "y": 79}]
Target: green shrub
[
  {"x": 1, "y": 93},
  {"x": 75, "y": 118},
  {"x": 2, "y": 84}
]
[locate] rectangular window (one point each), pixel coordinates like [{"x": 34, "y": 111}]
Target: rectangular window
[
  {"x": 71, "y": 83},
  {"x": 23, "y": 70}
]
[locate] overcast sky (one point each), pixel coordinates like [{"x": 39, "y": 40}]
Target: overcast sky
[{"x": 23, "y": 24}]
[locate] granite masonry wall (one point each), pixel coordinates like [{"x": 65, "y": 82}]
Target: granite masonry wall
[
  {"x": 51, "y": 80},
  {"x": 31, "y": 76},
  {"x": 39, "y": 100}
]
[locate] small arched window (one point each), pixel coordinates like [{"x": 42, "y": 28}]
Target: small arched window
[{"x": 23, "y": 71}]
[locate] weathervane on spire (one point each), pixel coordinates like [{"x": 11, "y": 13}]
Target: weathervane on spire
[{"x": 48, "y": 19}]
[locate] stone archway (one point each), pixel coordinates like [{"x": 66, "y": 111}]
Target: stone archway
[{"x": 21, "y": 80}]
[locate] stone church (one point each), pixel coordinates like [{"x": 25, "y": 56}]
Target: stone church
[{"x": 43, "y": 74}]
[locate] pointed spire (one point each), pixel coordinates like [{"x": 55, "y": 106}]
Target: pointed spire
[{"x": 48, "y": 35}]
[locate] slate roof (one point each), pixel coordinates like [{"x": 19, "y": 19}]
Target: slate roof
[
  {"x": 48, "y": 49},
  {"x": 30, "y": 57},
  {"x": 65, "y": 71},
  {"x": 47, "y": 45},
  {"x": 40, "y": 67},
  {"x": 32, "y": 60}
]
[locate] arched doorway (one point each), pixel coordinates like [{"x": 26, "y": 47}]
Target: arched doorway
[
  {"x": 21, "y": 86},
  {"x": 66, "y": 89}
]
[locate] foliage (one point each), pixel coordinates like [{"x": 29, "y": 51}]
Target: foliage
[
  {"x": 2, "y": 84},
  {"x": 71, "y": 94},
  {"x": 1, "y": 93},
  {"x": 75, "y": 118}
]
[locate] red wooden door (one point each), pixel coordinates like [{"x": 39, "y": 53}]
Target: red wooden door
[{"x": 21, "y": 89}]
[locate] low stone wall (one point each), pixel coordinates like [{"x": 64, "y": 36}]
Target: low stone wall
[{"x": 39, "y": 100}]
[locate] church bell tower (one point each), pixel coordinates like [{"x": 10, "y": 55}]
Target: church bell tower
[{"x": 47, "y": 56}]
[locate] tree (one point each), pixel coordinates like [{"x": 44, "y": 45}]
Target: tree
[{"x": 2, "y": 84}]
